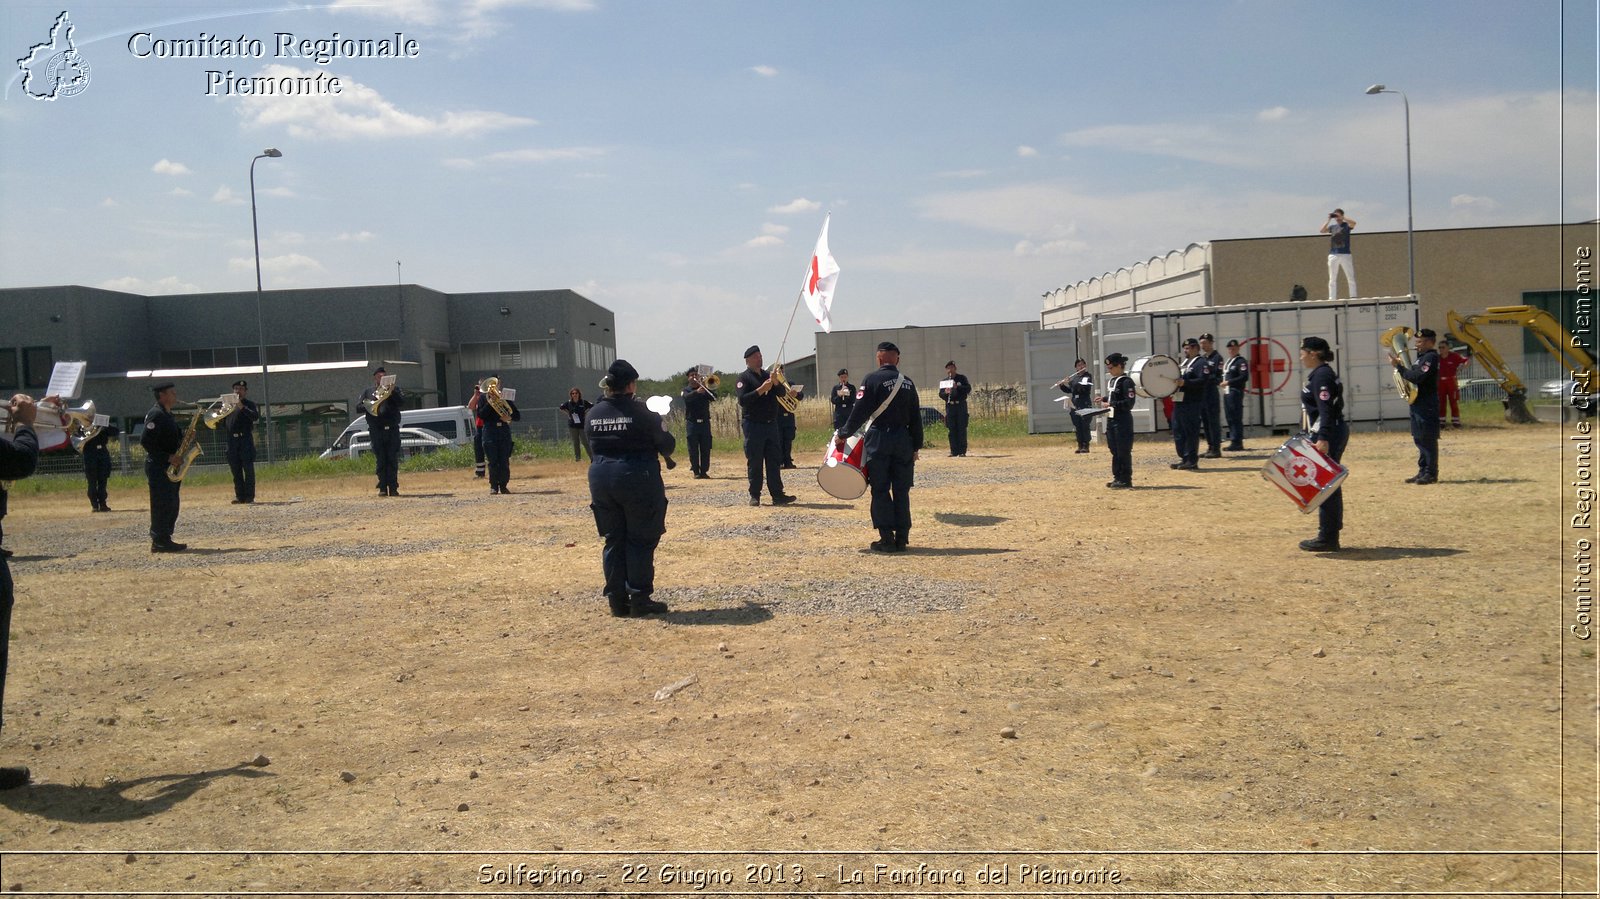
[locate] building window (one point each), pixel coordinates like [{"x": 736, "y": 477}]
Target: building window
[
  {"x": 8, "y": 370},
  {"x": 507, "y": 355},
  {"x": 174, "y": 359},
  {"x": 592, "y": 355},
  {"x": 37, "y": 361},
  {"x": 352, "y": 351}
]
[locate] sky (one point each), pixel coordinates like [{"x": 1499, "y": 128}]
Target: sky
[{"x": 673, "y": 161}]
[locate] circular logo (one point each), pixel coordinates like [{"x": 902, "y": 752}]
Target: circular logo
[
  {"x": 67, "y": 73},
  {"x": 1271, "y": 363}
]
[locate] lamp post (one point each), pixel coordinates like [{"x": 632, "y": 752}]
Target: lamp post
[
  {"x": 261, "y": 333},
  {"x": 1411, "y": 246}
]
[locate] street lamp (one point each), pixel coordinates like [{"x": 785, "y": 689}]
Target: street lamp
[
  {"x": 1411, "y": 246},
  {"x": 261, "y": 333}
]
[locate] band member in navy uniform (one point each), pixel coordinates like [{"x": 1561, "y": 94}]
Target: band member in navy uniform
[
  {"x": 1211, "y": 400},
  {"x": 478, "y": 465},
  {"x": 625, "y": 490},
  {"x": 1119, "y": 398},
  {"x": 384, "y": 431},
  {"x": 1235, "y": 377},
  {"x": 19, "y": 455},
  {"x": 697, "y": 400},
  {"x": 1425, "y": 408},
  {"x": 1322, "y": 398},
  {"x": 97, "y": 466},
  {"x": 1188, "y": 406},
  {"x": 1080, "y": 386},
  {"x": 893, "y": 442},
  {"x": 955, "y": 407},
  {"x": 843, "y": 399},
  {"x": 240, "y": 426},
  {"x": 787, "y": 428},
  {"x": 161, "y": 439},
  {"x": 497, "y": 442},
  {"x": 763, "y": 449},
  {"x": 576, "y": 407}
]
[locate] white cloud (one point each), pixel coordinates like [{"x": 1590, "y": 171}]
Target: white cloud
[
  {"x": 764, "y": 71},
  {"x": 275, "y": 192},
  {"x": 765, "y": 240},
  {"x": 109, "y": 203},
  {"x": 530, "y": 156},
  {"x": 181, "y": 192},
  {"x": 467, "y": 18},
  {"x": 356, "y": 237},
  {"x": 1275, "y": 114},
  {"x": 288, "y": 264},
  {"x": 1026, "y": 151},
  {"x": 168, "y": 167},
  {"x": 963, "y": 173},
  {"x": 798, "y": 204},
  {"x": 774, "y": 230},
  {"x": 359, "y": 111},
  {"x": 168, "y": 285},
  {"x": 225, "y": 196},
  {"x": 287, "y": 238}
]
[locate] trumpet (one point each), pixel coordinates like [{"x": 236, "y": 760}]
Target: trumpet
[
  {"x": 220, "y": 408},
  {"x": 788, "y": 397},
  {"x": 77, "y": 421}
]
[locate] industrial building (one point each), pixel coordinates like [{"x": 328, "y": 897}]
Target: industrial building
[{"x": 320, "y": 347}]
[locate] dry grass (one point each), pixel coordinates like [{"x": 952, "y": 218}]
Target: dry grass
[{"x": 1178, "y": 677}]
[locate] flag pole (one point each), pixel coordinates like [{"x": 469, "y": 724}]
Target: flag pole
[{"x": 796, "y": 308}]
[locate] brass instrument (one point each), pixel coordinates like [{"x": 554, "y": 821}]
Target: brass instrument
[
  {"x": 383, "y": 391},
  {"x": 491, "y": 392},
  {"x": 788, "y": 397},
  {"x": 222, "y": 407},
  {"x": 1398, "y": 340},
  {"x": 188, "y": 450},
  {"x": 78, "y": 421},
  {"x": 711, "y": 381}
]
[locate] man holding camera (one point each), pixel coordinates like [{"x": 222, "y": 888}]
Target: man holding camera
[{"x": 1338, "y": 228}]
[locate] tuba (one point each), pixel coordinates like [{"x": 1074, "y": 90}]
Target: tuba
[
  {"x": 384, "y": 390},
  {"x": 1398, "y": 341},
  {"x": 222, "y": 407},
  {"x": 77, "y": 421},
  {"x": 491, "y": 392},
  {"x": 188, "y": 450},
  {"x": 786, "y": 394}
]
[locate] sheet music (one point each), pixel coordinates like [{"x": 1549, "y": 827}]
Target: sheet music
[
  {"x": 66, "y": 380},
  {"x": 509, "y": 394}
]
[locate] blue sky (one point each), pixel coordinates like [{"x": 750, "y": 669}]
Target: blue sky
[{"x": 673, "y": 160}]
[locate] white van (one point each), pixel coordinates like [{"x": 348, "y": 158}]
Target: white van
[{"x": 452, "y": 423}]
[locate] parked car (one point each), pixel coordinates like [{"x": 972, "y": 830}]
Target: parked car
[
  {"x": 412, "y": 441},
  {"x": 931, "y": 416},
  {"x": 453, "y": 423},
  {"x": 1566, "y": 390}
]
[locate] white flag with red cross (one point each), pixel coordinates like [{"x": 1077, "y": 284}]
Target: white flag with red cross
[{"x": 821, "y": 276}]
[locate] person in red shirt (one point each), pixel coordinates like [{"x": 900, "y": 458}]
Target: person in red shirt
[{"x": 1450, "y": 362}]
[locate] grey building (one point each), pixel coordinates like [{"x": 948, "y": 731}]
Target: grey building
[
  {"x": 320, "y": 345},
  {"x": 989, "y": 354}
]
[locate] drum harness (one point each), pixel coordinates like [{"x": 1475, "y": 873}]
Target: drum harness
[{"x": 900, "y": 378}]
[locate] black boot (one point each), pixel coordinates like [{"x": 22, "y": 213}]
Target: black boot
[
  {"x": 619, "y": 607},
  {"x": 640, "y": 604}
]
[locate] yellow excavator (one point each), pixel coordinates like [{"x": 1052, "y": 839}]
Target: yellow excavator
[{"x": 1547, "y": 331}]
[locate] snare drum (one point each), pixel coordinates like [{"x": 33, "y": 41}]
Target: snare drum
[
  {"x": 844, "y": 475},
  {"x": 1156, "y": 376},
  {"x": 1303, "y": 473}
]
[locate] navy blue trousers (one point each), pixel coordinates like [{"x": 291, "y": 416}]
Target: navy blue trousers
[
  {"x": 891, "y": 463},
  {"x": 763, "y": 451},
  {"x": 630, "y": 512}
]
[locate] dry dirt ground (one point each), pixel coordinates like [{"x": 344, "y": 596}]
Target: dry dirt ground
[{"x": 1146, "y": 691}]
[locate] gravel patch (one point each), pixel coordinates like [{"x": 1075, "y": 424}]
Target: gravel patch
[{"x": 839, "y": 596}]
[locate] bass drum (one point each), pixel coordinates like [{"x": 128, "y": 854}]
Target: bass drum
[
  {"x": 1156, "y": 376},
  {"x": 844, "y": 475},
  {"x": 1303, "y": 473}
]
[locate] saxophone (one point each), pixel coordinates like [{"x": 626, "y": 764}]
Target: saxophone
[{"x": 188, "y": 450}]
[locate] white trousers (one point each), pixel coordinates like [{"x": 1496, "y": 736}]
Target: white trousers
[{"x": 1347, "y": 263}]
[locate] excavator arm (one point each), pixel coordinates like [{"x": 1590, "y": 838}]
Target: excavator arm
[{"x": 1544, "y": 328}]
